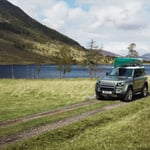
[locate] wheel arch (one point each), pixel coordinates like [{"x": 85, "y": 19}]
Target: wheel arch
[
  {"x": 146, "y": 83},
  {"x": 126, "y": 96},
  {"x": 130, "y": 86}
]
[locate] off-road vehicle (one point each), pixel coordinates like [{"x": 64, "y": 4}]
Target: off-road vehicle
[{"x": 126, "y": 79}]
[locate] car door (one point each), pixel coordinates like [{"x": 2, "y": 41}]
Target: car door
[{"x": 138, "y": 80}]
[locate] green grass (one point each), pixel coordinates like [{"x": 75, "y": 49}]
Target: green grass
[
  {"x": 24, "y": 97},
  {"x": 50, "y": 119},
  {"x": 122, "y": 128}
]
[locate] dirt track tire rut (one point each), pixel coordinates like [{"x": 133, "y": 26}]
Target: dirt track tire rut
[
  {"x": 45, "y": 128},
  {"x": 47, "y": 113}
]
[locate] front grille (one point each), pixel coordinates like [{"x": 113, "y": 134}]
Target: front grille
[
  {"x": 107, "y": 86},
  {"x": 107, "y": 83},
  {"x": 107, "y": 89}
]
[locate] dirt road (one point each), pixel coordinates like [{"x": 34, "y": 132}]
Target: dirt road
[
  {"x": 43, "y": 129},
  {"x": 47, "y": 113}
]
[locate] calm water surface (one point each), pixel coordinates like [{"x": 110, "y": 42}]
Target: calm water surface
[{"x": 50, "y": 71}]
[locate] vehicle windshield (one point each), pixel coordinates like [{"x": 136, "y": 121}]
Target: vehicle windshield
[{"x": 126, "y": 72}]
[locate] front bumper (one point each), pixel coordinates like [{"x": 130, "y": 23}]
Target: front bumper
[{"x": 109, "y": 90}]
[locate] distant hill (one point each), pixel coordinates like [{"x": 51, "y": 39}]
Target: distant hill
[
  {"x": 146, "y": 57},
  {"x": 108, "y": 53},
  {"x": 25, "y": 40}
]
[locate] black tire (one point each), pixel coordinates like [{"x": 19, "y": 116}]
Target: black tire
[
  {"x": 129, "y": 95},
  {"x": 145, "y": 91},
  {"x": 99, "y": 97}
]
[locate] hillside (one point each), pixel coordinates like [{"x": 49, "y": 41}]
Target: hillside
[
  {"x": 108, "y": 53},
  {"x": 146, "y": 57},
  {"x": 24, "y": 40}
]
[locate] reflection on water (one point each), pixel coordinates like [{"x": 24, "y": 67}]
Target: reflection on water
[{"x": 50, "y": 71}]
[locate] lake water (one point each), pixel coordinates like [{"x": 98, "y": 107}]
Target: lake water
[{"x": 50, "y": 71}]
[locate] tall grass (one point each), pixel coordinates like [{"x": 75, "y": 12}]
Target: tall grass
[{"x": 23, "y": 97}]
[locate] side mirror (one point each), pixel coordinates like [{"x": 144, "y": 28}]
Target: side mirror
[{"x": 107, "y": 73}]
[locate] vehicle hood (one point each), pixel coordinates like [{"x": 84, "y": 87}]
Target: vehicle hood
[{"x": 115, "y": 78}]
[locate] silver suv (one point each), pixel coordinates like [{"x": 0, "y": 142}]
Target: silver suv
[{"x": 123, "y": 82}]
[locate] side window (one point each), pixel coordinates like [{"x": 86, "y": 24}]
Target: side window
[
  {"x": 143, "y": 73},
  {"x": 137, "y": 73}
]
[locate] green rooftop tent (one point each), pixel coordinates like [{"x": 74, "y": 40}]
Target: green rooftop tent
[{"x": 124, "y": 62}]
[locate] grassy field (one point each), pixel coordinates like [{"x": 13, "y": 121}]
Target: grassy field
[
  {"x": 23, "y": 97},
  {"x": 124, "y": 128}
]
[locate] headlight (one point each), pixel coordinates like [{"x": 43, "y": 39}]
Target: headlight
[
  {"x": 120, "y": 84},
  {"x": 98, "y": 82}
]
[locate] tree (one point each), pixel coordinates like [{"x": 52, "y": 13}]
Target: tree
[
  {"x": 92, "y": 59},
  {"x": 38, "y": 69},
  {"x": 132, "y": 52},
  {"x": 27, "y": 71},
  {"x": 91, "y": 62},
  {"x": 64, "y": 60},
  {"x": 91, "y": 45},
  {"x": 12, "y": 71}
]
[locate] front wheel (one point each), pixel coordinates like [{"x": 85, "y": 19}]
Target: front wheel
[
  {"x": 99, "y": 97},
  {"x": 129, "y": 95}
]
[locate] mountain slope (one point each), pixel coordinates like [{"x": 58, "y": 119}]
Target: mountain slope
[
  {"x": 146, "y": 57},
  {"x": 24, "y": 40},
  {"x": 108, "y": 53},
  {"x": 13, "y": 16}
]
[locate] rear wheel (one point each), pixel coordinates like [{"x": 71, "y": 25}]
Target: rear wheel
[
  {"x": 129, "y": 95},
  {"x": 145, "y": 90}
]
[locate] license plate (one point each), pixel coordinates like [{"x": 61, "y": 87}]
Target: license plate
[{"x": 107, "y": 92}]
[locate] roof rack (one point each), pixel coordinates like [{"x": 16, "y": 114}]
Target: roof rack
[{"x": 128, "y": 62}]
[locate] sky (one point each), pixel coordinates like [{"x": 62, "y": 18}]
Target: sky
[{"x": 112, "y": 24}]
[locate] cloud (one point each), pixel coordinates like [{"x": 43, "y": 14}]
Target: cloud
[
  {"x": 115, "y": 24},
  {"x": 131, "y": 17},
  {"x": 131, "y": 24},
  {"x": 55, "y": 16}
]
